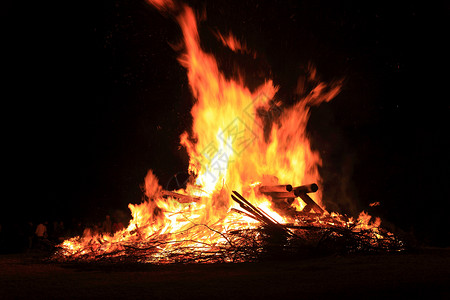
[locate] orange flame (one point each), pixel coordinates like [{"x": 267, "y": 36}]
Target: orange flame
[
  {"x": 229, "y": 150},
  {"x": 234, "y": 44}
]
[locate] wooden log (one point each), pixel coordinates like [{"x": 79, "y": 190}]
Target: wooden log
[
  {"x": 259, "y": 213},
  {"x": 245, "y": 214},
  {"x": 310, "y": 204},
  {"x": 180, "y": 197},
  {"x": 252, "y": 209},
  {"x": 308, "y": 188},
  {"x": 281, "y": 195},
  {"x": 275, "y": 188},
  {"x": 283, "y": 200},
  {"x": 281, "y": 191}
]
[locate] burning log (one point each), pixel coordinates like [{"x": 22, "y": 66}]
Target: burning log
[
  {"x": 180, "y": 197},
  {"x": 275, "y": 188},
  {"x": 287, "y": 191},
  {"x": 281, "y": 193},
  {"x": 259, "y": 214},
  {"x": 245, "y": 213},
  {"x": 309, "y": 188},
  {"x": 310, "y": 204},
  {"x": 252, "y": 210}
]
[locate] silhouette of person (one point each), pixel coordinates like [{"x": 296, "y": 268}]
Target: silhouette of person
[
  {"x": 41, "y": 234},
  {"x": 41, "y": 230}
]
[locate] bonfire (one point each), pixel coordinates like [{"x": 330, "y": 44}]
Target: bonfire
[{"x": 254, "y": 186}]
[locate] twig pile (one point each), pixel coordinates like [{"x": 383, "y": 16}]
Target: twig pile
[{"x": 313, "y": 233}]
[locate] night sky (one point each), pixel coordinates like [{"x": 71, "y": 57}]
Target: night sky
[{"x": 94, "y": 97}]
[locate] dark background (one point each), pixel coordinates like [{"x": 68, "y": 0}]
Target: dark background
[{"x": 94, "y": 97}]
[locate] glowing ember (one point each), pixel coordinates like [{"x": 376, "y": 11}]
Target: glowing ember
[{"x": 229, "y": 151}]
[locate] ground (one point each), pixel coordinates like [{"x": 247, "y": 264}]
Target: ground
[{"x": 424, "y": 273}]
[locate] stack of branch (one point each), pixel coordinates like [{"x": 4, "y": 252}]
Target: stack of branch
[
  {"x": 243, "y": 245},
  {"x": 258, "y": 214},
  {"x": 322, "y": 232},
  {"x": 346, "y": 240}
]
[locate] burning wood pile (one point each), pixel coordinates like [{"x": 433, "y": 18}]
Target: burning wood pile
[
  {"x": 314, "y": 230},
  {"x": 232, "y": 210}
]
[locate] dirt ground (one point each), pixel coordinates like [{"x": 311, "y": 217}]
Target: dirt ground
[{"x": 425, "y": 273}]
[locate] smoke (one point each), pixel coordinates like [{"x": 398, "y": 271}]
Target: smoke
[{"x": 339, "y": 160}]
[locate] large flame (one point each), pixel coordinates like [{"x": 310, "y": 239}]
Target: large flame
[
  {"x": 227, "y": 147},
  {"x": 240, "y": 138}
]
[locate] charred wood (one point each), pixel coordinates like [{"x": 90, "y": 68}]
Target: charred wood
[
  {"x": 260, "y": 214},
  {"x": 287, "y": 191},
  {"x": 310, "y": 204},
  {"x": 275, "y": 188},
  {"x": 308, "y": 188},
  {"x": 280, "y": 195}
]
